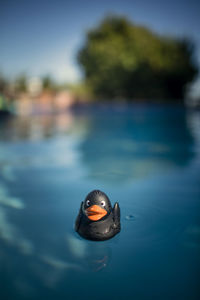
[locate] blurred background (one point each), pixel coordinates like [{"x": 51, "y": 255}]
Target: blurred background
[
  {"x": 106, "y": 96},
  {"x": 55, "y": 54}
]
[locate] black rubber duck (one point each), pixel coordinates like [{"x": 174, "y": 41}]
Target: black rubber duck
[{"x": 97, "y": 220}]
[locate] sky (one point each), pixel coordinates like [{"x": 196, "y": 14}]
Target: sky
[{"x": 43, "y": 37}]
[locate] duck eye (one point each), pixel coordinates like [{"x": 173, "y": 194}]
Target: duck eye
[
  {"x": 103, "y": 203},
  {"x": 88, "y": 202}
]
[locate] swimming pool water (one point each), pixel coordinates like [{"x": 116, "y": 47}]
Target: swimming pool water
[{"x": 146, "y": 157}]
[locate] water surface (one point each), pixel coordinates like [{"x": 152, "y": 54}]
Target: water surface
[{"x": 145, "y": 157}]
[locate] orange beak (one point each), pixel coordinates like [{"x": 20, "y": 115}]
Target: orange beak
[{"x": 95, "y": 212}]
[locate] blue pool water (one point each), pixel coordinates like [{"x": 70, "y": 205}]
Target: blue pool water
[{"x": 145, "y": 157}]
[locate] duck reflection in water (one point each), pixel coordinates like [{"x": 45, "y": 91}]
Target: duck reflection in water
[{"x": 91, "y": 256}]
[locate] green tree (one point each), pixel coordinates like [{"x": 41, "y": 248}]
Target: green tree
[
  {"x": 3, "y": 84},
  {"x": 48, "y": 83},
  {"x": 21, "y": 84},
  {"x": 122, "y": 60}
]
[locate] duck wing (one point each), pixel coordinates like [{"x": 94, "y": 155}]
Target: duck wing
[{"x": 116, "y": 216}]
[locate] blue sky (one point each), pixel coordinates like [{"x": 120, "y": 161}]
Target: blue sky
[{"x": 43, "y": 37}]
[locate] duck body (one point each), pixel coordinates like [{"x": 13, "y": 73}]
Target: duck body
[{"x": 97, "y": 220}]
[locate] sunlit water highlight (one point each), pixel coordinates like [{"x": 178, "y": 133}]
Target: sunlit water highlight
[{"x": 145, "y": 157}]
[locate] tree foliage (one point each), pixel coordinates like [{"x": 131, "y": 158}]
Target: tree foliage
[
  {"x": 122, "y": 60},
  {"x": 21, "y": 84},
  {"x": 48, "y": 83}
]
